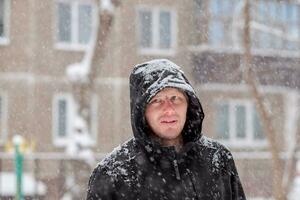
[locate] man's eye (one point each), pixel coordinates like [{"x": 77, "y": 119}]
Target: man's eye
[
  {"x": 154, "y": 101},
  {"x": 177, "y": 99},
  {"x": 174, "y": 98}
]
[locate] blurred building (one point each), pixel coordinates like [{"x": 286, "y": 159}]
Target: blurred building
[{"x": 40, "y": 39}]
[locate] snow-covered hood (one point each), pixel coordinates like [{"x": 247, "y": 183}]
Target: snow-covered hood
[{"x": 146, "y": 80}]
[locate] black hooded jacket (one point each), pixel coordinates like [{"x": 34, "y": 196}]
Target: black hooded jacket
[{"x": 142, "y": 169}]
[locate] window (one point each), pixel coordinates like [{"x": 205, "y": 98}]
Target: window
[
  {"x": 156, "y": 31},
  {"x": 63, "y": 119},
  {"x": 3, "y": 131},
  {"x": 277, "y": 25},
  {"x": 238, "y": 124},
  {"x": 74, "y": 23},
  {"x": 220, "y": 22},
  {"x": 4, "y": 19},
  {"x": 274, "y": 24}
]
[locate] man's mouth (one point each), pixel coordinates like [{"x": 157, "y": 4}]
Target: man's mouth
[{"x": 168, "y": 121}]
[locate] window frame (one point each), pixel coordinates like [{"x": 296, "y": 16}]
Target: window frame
[
  {"x": 63, "y": 141},
  {"x": 4, "y": 40},
  {"x": 3, "y": 118},
  {"x": 232, "y": 38},
  {"x": 74, "y": 44},
  {"x": 154, "y": 49},
  {"x": 234, "y": 140}
]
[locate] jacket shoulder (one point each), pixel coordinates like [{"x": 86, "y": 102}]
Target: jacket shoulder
[
  {"x": 220, "y": 162},
  {"x": 117, "y": 163},
  {"x": 216, "y": 154},
  {"x": 116, "y": 166},
  {"x": 211, "y": 144},
  {"x": 119, "y": 157}
]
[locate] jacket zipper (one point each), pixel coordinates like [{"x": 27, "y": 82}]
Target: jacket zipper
[
  {"x": 175, "y": 164},
  {"x": 192, "y": 178}
]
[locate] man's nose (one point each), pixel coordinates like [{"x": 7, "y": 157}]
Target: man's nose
[{"x": 168, "y": 107}]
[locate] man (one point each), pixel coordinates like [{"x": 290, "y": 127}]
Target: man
[{"x": 168, "y": 158}]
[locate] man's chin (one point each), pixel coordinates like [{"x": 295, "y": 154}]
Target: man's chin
[{"x": 170, "y": 135}]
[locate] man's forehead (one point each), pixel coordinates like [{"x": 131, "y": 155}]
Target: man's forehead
[{"x": 170, "y": 91}]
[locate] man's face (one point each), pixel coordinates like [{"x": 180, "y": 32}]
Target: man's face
[{"x": 166, "y": 115}]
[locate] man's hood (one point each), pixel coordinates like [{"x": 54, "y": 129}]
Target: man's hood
[{"x": 146, "y": 80}]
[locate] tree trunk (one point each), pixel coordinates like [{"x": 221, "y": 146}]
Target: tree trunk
[
  {"x": 250, "y": 80},
  {"x": 85, "y": 91}
]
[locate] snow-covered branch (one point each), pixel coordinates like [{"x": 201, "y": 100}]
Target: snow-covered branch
[
  {"x": 78, "y": 72},
  {"x": 107, "y": 5}
]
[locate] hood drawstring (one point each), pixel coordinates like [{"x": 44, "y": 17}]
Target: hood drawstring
[{"x": 175, "y": 164}]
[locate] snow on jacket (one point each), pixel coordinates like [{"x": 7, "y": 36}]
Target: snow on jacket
[{"x": 142, "y": 169}]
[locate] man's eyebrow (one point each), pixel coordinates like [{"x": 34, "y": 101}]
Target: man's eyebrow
[
  {"x": 158, "y": 95},
  {"x": 171, "y": 94},
  {"x": 177, "y": 93}
]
